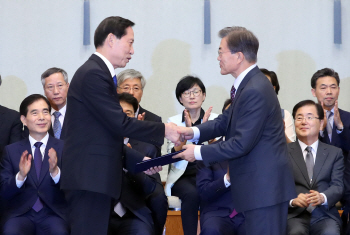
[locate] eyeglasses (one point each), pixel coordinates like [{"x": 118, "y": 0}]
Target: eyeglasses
[
  {"x": 307, "y": 118},
  {"x": 195, "y": 93},
  {"x": 52, "y": 87},
  {"x": 222, "y": 52},
  {"x": 127, "y": 89}
]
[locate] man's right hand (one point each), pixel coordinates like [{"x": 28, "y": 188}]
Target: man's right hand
[
  {"x": 186, "y": 133},
  {"x": 171, "y": 133},
  {"x": 24, "y": 165},
  {"x": 301, "y": 201}
]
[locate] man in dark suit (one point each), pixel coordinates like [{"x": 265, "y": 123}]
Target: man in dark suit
[
  {"x": 336, "y": 127},
  {"x": 157, "y": 202},
  {"x": 30, "y": 176},
  {"x": 132, "y": 82},
  {"x": 218, "y": 215},
  {"x": 10, "y": 127},
  {"x": 94, "y": 128},
  {"x": 255, "y": 145},
  {"x": 55, "y": 84},
  {"x": 318, "y": 175}
]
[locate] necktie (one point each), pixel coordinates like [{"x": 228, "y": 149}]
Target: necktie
[
  {"x": 115, "y": 80},
  {"x": 329, "y": 124},
  {"x": 233, "y": 91},
  {"x": 309, "y": 160},
  {"x": 57, "y": 128},
  {"x": 233, "y": 214},
  {"x": 38, "y": 160}
]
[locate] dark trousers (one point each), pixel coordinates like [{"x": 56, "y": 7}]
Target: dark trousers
[
  {"x": 44, "y": 222},
  {"x": 157, "y": 202},
  {"x": 216, "y": 225},
  {"x": 89, "y": 212},
  {"x": 129, "y": 224},
  {"x": 270, "y": 220},
  {"x": 185, "y": 189},
  {"x": 304, "y": 224}
]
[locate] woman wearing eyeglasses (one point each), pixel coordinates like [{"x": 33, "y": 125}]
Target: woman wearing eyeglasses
[{"x": 181, "y": 181}]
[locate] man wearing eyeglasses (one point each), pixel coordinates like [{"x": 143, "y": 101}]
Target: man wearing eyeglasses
[
  {"x": 55, "y": 84},
  {"x": 318, "y": 175}
]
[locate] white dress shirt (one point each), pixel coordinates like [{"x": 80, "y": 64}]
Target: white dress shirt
[
  {"x": 61, "y": 117},
  {"x": 32, "y": 141},
  {"x": 109, "y": 64}
]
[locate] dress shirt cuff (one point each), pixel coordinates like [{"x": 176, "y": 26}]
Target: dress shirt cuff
[
  {"x": 227, "y": 184},
  {"x": 196, "y": 134},
  {"x": 339, "y": 131},
  {"x": 291, "y": 203},
  {"x": 197, "y": 152},
  {"x": 325, "y": 200},
  {"x": 322, "y": 133},
  {"x": 57, "y": 177},
  {"x": 20, "y": 183}
]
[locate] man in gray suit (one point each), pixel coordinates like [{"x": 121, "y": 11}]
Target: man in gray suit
[{"x": 318, "y": 175}]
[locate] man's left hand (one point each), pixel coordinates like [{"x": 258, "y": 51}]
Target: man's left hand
[
  {"x": 188, "y": 154},
  {"x": 315, "y": 198},
  {"x": 337, "y": 120},
  {"x": 53, "y": 168}
]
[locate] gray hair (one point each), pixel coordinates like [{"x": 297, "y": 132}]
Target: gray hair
[
  {"x": 239, "y": 39},
  {"x": 51, "y": 71},
  {"x": 130, "y": 74}
]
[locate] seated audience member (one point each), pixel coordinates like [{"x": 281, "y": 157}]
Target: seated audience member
[
  {"x": 30, "y": 176},
  {"x": 132, "y": 82},
  {"x": 287, "y": 118},
  {"x": 55, "y": 84},
  {"x": 218, "y": 216},
  {"x": 318, "y": 175},
  {"x": 136, "y": 188},
  {"x": 181, "y": 181}
]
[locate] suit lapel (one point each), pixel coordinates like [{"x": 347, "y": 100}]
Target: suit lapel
[
  {"x": 2, "y": 116},
  {"x": 244, "y": 82},
  {"x": 298, "y": 157},
  {"x": 321, "y": 157}
]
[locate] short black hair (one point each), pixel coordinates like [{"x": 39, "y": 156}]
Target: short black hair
[
  {"x": 303, "y": 103},
  {"x": 274, "y": 79},
  {"x": 113, "y": 24},
  {"x": 226, "y": 103},
  {"x": 23, "y": 108},
  {"x": 186, "y": 83},
  {"x": 324, "y": 73},
  {"x": 130, "y": 99}
]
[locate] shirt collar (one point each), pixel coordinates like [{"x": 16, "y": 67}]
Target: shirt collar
[
  {"x": 32, "y": 141},
  {"x": 314, "y": 146},
  {"x": 109, "y": 64},
  {"x": 240, "y": 77},
  {"x": 62, "y": 110},
  {"x": 137, "y": 112},
  {"x": 201, "y": 115}
]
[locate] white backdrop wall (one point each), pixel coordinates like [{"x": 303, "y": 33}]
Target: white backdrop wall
[{"x": 296, "y": 39}]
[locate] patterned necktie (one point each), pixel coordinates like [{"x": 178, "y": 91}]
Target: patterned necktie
[
  {"x": 57, "y": 128},
  {"x": 115, "y": 80},
  {"x": 329, "y": 124},
  {"x": 233, "y": 91},
  {"x": 309, "y": 160},
  {"x": 38, "y": 160}
]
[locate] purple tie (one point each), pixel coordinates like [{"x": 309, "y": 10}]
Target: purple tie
[
  {"x": 233, "y": 214},
  {"x": 38, "y": 160},
  {"x": 233, "y": 91}
]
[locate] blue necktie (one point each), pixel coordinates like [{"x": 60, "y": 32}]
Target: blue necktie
[
  {"x": 38, "y": 160},
  {"x": 233, "y": 91},
  {"x": 57, "y": 128},
  {"x": 115, "y": 80}
]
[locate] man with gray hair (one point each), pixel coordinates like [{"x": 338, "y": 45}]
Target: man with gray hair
[
  {"x": 131, "y": 81},
  {"x": 255, "y": 145},
  {"x": 55, "y": 84}
]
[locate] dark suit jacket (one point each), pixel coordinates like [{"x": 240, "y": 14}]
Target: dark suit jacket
[
  {"x": 255, "y": 145},
  {"x": 327, "y": 177},
  {"x": 215, "y": 198},
  {"x": 21, "y": 200},
  {"x": 149, "y": 116},
  {"x": 93, "y": 131},
  {"x": 10, "y": 127}
]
